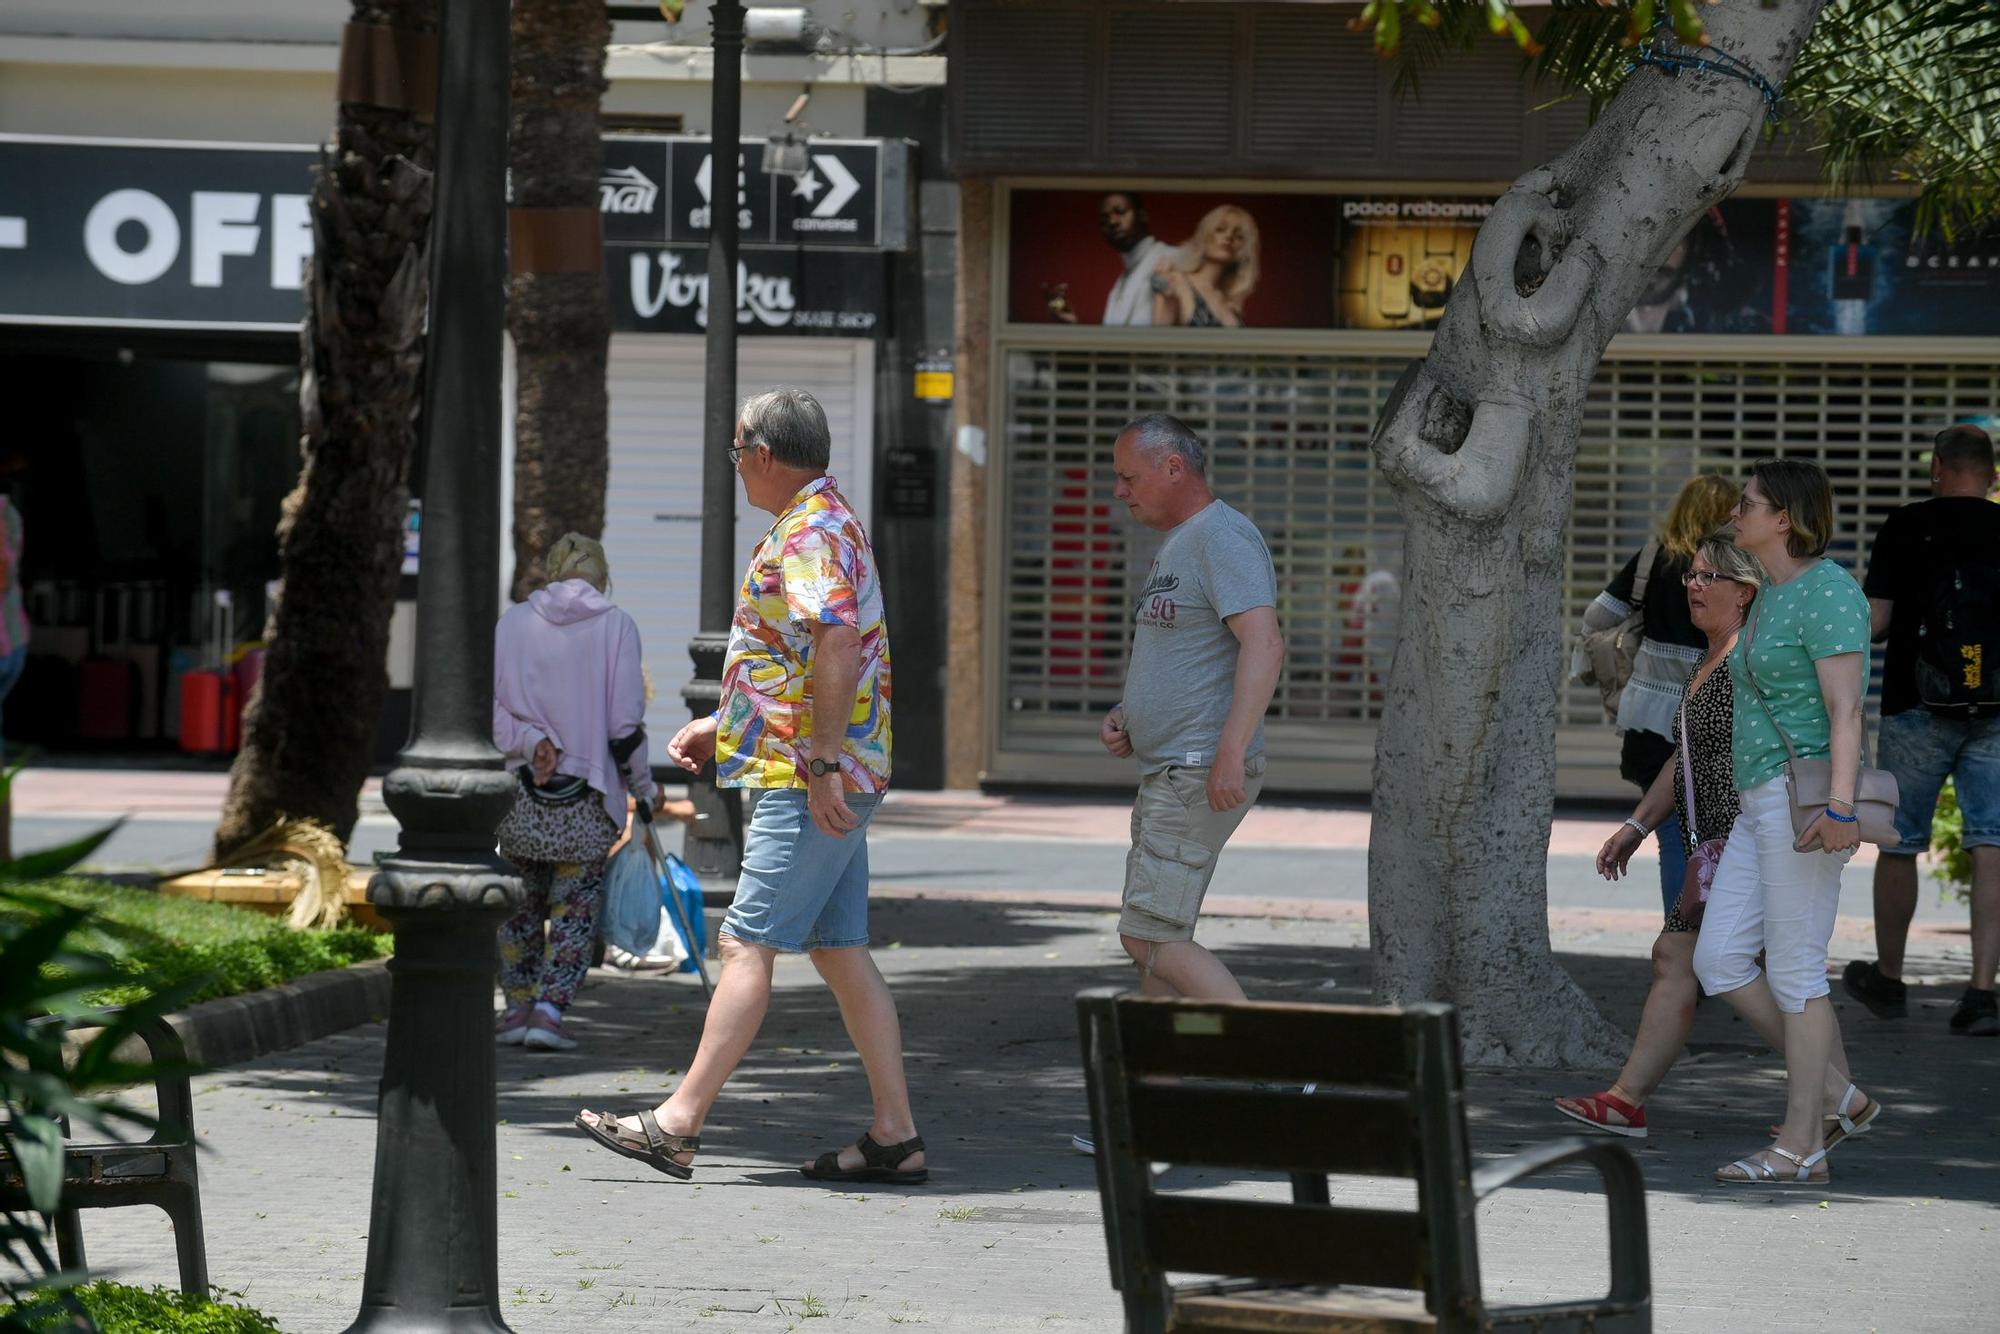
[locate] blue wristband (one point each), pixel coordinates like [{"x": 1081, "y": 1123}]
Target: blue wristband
[{"x": 1838, "y": 818}]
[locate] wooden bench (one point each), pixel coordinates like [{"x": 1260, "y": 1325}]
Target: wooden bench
[
  {"x": 159, "y": 1170},
  {"x": 1221, "y": 1086}
]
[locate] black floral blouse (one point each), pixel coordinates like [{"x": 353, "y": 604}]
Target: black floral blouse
[{"x": 1709, "y": 713}]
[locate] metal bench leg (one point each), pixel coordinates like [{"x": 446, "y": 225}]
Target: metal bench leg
[
  {"x": 185, "y": 1212},
  {"x": 67, "y": 1224}
]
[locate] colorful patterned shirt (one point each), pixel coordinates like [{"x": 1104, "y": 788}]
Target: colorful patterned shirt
[{"x": 814, "y": 567}]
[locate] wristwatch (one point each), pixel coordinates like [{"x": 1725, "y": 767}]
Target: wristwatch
[{"x": 821, "y": 768}]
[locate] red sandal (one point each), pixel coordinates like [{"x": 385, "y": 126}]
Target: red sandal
[{"x": 1606, "y": 1112}]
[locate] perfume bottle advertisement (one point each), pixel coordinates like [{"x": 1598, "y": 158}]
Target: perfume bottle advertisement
[{"x": 1858, "y": 266}]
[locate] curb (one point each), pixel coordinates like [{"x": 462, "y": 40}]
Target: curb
[{"x": 232, "y": 1030}]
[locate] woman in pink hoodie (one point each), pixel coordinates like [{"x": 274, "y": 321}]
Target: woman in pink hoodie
[{"x": 569, "y": 702}]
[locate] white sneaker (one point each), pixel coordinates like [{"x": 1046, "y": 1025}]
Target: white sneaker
[
  {"x": 1083, "y": 1144},
  {"x": 546, "y": 1034},
  {"x": 511, "y": 1027}
]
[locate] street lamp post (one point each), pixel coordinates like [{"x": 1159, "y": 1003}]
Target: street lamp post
[
  {"x": 432, "y": 1263},
  {"x": 716, "y": 843}
]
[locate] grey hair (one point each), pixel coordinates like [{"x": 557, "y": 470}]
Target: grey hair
[
  {"x": 1159, "y": 434},
  {"x": 791, "y": 424},
  {"x": 1731, "y": 561}
]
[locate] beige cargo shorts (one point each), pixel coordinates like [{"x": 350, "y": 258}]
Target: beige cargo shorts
[{"x": 1175, "y": 839}]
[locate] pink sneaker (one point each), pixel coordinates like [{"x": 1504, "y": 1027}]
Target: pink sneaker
[
  {"x": 512, "y": 1026},
  {"x": 546, "y": 1034}
]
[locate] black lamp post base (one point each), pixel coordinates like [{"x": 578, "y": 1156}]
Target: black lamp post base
[{"x": 434, "y": 1223}]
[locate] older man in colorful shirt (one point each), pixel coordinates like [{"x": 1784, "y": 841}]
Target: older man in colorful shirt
[{"x": 804, "y": 723}]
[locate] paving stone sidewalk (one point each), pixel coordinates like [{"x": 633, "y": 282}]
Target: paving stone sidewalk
[{"x": 1007, "y": 1235}]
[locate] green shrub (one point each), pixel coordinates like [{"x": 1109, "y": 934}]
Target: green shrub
[
  {"x": 1949, "y": 859},
  {"x": 119, "y": 1309},
  {"x": 159, "y": 941}
]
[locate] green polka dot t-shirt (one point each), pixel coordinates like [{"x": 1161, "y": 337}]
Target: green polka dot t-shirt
[{"x": 1819, "y": 614}]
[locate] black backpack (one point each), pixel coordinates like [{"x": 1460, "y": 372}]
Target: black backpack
[{"x": 1958, "y": 642}]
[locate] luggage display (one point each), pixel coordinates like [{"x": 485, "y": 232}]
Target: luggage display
[{"x": 211, "y": 707}]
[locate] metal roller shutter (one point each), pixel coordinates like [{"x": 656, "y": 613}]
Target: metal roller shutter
[
  {"x": 652, "y": 511},
  {"x": 1289, "y": 435}
]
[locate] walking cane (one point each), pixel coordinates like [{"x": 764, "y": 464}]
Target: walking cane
[{"x": 697, "y": 946}]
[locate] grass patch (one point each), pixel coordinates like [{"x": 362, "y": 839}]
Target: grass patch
[
  {"x": 162, "y": 941},
  {"x": 120, "y": 1309}
]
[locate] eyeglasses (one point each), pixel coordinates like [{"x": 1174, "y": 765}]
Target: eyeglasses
[
  {"x": 1705, "y": 578},
  {"x": 1746, "y": 503},
  {"x": 735, "y": 451}
]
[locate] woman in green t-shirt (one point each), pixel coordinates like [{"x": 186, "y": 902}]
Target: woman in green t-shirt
[{"x": 1799, "y": 666}]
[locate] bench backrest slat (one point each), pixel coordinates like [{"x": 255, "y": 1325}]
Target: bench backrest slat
[
  {"x": 1246, "y": 1239},
  {"x": 1330, "y": 1044},
  {"x": 1276, "y": 1129}
]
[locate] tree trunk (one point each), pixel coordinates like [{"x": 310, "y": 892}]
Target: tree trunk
[
  {"x": 561, "y": 322},
  {"x": 1480, "y": 441},
  {"x": 310, "y": 724}
]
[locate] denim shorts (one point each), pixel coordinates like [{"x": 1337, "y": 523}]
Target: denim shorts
[
  {"x": 1923, "y": 749},
  {"x": 800, "y": 889}
]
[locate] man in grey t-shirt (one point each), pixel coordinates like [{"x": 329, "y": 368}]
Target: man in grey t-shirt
[{"x": 1206, "y": 652}]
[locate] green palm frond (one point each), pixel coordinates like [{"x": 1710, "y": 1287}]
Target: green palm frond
[{"x": 1892, "y": 91}]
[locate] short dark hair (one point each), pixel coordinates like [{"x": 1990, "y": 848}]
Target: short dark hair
[
  {"x": 791, "y": 424},
  {"x": 1802, "y": 490},
  {"x": 1160, "y": 434},
  {"x": 1965, "y": 449},
  {"x": 1132, "y": 197}
]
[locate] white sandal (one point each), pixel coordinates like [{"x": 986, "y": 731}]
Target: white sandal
[
  {"x": 1756, "y": 1171},
  {"x": 1846, "y": 1127}
]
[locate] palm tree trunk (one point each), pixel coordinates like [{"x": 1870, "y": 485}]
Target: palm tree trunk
[
  {"x": 1480, "y": 440},
  {"x": 559, "y": 316},
  {"x": 310, "y": 724}
]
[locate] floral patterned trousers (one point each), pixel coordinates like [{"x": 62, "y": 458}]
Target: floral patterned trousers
[{"x": 559, "y": 849}]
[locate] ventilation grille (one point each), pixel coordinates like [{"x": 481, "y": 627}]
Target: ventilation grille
[{"x": 1289, "y": 437}]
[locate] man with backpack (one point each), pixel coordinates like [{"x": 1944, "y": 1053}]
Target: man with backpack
[{"x": 1934, "y": 593}]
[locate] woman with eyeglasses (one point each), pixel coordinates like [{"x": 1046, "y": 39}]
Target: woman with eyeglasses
[
  {"x": 1671, "y": 646},
  {"x": 1718, "y": 589},
  {"x": 1797, "y": 673}
]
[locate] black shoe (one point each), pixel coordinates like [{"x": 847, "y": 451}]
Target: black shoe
[
  {"x": 1977, "y": 1014},
  {"x": 1885, "y": 996}
]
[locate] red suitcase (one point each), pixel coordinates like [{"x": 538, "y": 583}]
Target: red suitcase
[
  {"x": 208, "y": 713},
  {"x": 210, "y": 705}
]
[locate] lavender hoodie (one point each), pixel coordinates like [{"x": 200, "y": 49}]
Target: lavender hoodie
[{"x": 566, "y": 667}]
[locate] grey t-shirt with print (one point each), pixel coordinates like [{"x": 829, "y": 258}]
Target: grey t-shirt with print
[{"x": 1182, "y": 675}]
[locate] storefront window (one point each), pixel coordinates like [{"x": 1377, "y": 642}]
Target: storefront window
[{"x": 147, "y": 484}]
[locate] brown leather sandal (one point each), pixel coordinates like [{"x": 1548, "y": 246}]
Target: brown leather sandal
[
  {"x": 649, "y": 1145},
  {"x": 878, "y": 1163}
]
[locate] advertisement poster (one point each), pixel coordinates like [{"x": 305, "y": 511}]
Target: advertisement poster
[
  {"x": 1400, "y": 258},
  {"x": 1827, "y": 267},
  {"x": 1141, "y": 259},
  {"x": 1720, "y": 279},
  {"x": 1855, "y": 266}
]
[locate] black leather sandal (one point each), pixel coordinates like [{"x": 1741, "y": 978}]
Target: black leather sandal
[
  {"x": 878, "y": 1163},
  {"x": 649, "y": 1145}
]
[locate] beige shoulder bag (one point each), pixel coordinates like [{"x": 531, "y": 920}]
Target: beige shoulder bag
[{"x": 1809, "y": 783}]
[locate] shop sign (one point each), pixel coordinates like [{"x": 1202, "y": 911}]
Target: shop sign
[
  {"x": 1130, "y": 258},
  {"x": 146, "y": 234},
  {"x": 665, "y": 290},
  {"x": 663, "y": 189},
  {"x": 216, "y": 236}
]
